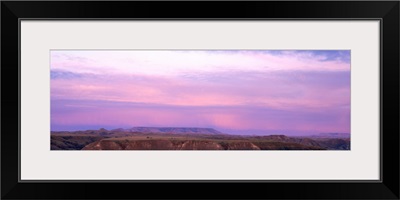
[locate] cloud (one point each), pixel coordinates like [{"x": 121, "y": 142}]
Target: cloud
[
  {"x": 263, "y": 90},
  {"x": 171, "y": 63},
  {"x": 283, "y": 90}
]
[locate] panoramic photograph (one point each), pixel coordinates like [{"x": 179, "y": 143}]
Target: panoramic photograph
[{"x": 200, "y": 100}]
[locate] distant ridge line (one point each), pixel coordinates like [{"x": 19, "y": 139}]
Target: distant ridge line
[{"x": 170, "y": 129}]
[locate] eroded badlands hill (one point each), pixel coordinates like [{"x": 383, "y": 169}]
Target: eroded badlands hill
[
  {"x": 164, "y": 144},
  {"x": 186, "y": 139}
]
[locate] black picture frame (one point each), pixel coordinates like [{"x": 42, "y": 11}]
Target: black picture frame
[{"x": 386, "y": 11}]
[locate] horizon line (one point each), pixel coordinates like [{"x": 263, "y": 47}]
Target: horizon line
[{"x": 111, "y": 129}]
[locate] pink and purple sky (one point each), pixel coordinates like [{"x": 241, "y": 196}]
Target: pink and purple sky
[{"x": 233, "y": 91}]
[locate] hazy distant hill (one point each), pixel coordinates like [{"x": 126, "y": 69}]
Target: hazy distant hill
[
  {"x": 177, "y": 130},
  {"x": 331, "y": 135}
]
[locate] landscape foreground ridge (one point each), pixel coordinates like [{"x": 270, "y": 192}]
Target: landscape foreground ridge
[{"x": 190, "y": 138}]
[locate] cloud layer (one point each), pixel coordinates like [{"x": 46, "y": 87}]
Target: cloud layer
[{"x": 239, "y": 91}]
